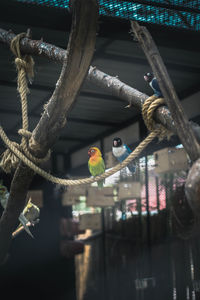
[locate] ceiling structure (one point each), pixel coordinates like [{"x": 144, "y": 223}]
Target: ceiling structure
[
  {"x": 96, "y": 114},
  {"x": 174, "y": 13}
]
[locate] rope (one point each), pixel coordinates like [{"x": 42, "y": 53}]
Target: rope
[
  {"x": 16, "y": 152},
  {"x": 148, "y": 109},
  {"x": 89, "y": 180},
  {"x": 157, "y": 130},
  {"x": 24, "y": 65}
]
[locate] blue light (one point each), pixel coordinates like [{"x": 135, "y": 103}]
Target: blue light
[{"x": 150, "y": 12}]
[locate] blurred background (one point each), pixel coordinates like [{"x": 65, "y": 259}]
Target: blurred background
[{"x": 137, "y": 238}]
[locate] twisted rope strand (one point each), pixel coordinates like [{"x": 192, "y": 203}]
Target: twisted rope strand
[
  {"x": 24, "y": 66},
  {"x": 61, "y": 181},
  {"x": 148, "y": 109},
  {"x": 14, "y": 153}
]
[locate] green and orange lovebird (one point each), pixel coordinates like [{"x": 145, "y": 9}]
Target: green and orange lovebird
[{"x": 96, "y": 164}]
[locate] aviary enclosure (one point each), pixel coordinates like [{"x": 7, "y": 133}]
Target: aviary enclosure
[{"x": 144, "y": 240}]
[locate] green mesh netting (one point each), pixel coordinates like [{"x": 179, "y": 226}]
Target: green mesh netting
[{"x": 177, "y": 13}]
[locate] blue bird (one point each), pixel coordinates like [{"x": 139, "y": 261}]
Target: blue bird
[
  {"x": 121, "y": 152},
  {"x": 152, "y": 81}
]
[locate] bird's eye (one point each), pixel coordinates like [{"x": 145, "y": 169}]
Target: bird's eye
[{"x": 92, "y": 150}]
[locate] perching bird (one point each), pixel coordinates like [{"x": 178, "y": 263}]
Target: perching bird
[
  {"x": 153, "y": 84},
  {"x": 31, "y": 212},
  {"x": 96, "y": 164},
  {"x": 121, "y": 152},
  {"x": 4, "y": 194}
]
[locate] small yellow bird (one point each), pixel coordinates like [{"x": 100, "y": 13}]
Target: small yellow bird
[
  {"x": 29, "y": 215},
  {"x": 96, "y": 164}
]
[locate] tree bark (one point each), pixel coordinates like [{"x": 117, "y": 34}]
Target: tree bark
[
  {"x": 53, "y": 119},
  {"x": 80, "y": 50},
  {"x": 108, "y": 83},
  {"x": 151, "y": 51}
]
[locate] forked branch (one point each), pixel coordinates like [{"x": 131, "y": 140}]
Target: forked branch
[
  {"x": 75, "y": 67},
  {"x": 108, "y": 83},
  {"x": 181, "y": 122}
]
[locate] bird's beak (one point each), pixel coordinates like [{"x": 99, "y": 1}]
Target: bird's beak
[
  {"x": 115, "y": 143},
  {"x": 145, "y": 78},
  {"x": 89, "y": 153}
]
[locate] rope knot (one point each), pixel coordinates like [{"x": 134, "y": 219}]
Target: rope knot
[
  {"x": 25, "y": 62},
  {"x": 25, "y": 133},
  {"x": 24, "y": 66},
  {"x": 20, "y": 63},
  {"x": 9, "y": 161},
  {"x": 148, "y": 109}
]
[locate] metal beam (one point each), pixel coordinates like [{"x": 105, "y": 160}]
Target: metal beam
[
  {"x": 70, "y": 119},
  {"x": 62, "y": 138},
  {"x": 44, "y": 88},
  {"x": 142, "y": 61},
  {"x": 105, "y": 133},
  {"x": 38, "y": 87}
]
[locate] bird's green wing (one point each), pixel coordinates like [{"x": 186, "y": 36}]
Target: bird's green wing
[{"x": 98, "y": 169}]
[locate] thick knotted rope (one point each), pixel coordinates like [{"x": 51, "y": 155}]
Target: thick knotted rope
[
  {"x": 148, "y": 109},
  {"x": 157, "y": 130},
  {"x": 24, "y": 65}
]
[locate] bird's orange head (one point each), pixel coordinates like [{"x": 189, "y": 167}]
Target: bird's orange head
[{"x": 94, "y": 151}]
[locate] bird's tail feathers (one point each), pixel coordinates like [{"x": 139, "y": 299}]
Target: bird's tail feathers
[{"x": 100, "y": 184}]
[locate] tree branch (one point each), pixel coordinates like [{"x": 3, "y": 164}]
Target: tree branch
[
  {"x": 121, "y": 90},
  {"x": 151, "y": 51},
  {"x": 34, "y": 47},
  {"x": 185, "y": 131},
  {"x": 75, "y": 67},
  {"x": 110, "y": 84}
]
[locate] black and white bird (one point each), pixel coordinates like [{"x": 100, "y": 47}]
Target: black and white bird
[
  {"x": 152, "y": 81},
  {"x": 121, "y": 152}
]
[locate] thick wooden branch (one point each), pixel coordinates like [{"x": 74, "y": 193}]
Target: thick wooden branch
[
  {"x": 16, "y": 203},
  {"x": 121, "y": 90},
  {"x": 75, "y": 67},
  {"x": 108, "y": 83},
  {"x": 74, "y": 71},
  {"x": 151, "y": 51},
  {"x": 185, "y": 131},
  {"x": 34, "y": 47}
]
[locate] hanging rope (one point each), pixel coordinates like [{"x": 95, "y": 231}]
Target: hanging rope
[
  {"x": 61, "y": 181},
  {"x": 147, "y": 111},
  {"x": 16, "y": 152},
  {"x": 24, "y": 65}
]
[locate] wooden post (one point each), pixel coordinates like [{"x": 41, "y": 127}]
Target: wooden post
[{"x": 75, "y": 67}]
